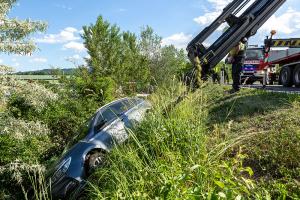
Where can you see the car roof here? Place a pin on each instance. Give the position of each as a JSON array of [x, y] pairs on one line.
[[117, 101]]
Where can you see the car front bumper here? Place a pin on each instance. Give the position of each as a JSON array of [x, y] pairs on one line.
[[64, 188]]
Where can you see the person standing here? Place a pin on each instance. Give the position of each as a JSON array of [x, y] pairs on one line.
[[216, 72], [237, 58]]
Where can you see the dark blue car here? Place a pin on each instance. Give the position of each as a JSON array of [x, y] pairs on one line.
[[106, 128]]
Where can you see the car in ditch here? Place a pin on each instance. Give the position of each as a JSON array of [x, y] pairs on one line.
[[107, 128]]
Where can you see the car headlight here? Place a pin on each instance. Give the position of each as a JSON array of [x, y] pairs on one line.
[[61, 170]]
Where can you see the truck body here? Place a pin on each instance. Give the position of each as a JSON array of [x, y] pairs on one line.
[[283, 61], [253, 69], [253, 66]]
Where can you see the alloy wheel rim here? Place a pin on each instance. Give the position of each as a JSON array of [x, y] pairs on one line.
[[98, 161]]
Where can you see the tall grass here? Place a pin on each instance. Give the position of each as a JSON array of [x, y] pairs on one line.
[[189, 153], [39, 189]]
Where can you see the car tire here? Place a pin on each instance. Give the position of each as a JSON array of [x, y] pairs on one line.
[[286, 76], [296, 76], [94, 161]]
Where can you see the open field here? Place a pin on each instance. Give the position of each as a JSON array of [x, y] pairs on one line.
[[34, 77]]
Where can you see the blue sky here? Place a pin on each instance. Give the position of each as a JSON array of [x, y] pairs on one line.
[[176, 21]]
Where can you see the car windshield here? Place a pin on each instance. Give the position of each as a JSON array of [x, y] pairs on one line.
[[254, 54]]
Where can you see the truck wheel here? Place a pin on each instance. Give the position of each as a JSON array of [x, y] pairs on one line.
[[297, 76], [286, 76]]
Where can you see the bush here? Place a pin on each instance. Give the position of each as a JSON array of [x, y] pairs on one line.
[[22, 144]]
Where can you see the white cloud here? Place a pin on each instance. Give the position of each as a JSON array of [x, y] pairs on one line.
[[217, 8], [219, 4], [63, 7], [14, 59], [38, 60], [210, 16], [1, 61], [122, 10], [287, 23], [16, 64], [71, 29], [179, 40], [81, 31], [74, 57], [66, 35], [77, 46], [207, 18]]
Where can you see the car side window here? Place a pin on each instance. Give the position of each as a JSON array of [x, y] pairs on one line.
[[112, 112], [104, 117]]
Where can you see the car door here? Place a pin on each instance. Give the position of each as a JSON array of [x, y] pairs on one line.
[[110, 125], [136, 114]]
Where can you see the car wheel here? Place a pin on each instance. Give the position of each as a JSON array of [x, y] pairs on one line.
[[297, 76], [95, 160], [286, 77]]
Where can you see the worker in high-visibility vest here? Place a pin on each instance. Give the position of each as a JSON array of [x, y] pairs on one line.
[[216, 73], [237, 58]]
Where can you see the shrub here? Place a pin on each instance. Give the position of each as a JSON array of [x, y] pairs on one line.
[[23, 144]]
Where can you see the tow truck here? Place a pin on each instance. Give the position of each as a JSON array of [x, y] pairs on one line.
[[287, 60], [280, 63], [253, 69], [244, 18]]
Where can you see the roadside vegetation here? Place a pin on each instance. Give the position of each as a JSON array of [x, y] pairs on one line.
[[38, 118], [209, 146]]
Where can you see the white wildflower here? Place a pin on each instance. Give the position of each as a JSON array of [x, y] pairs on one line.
[[20, 129], [34, 94]]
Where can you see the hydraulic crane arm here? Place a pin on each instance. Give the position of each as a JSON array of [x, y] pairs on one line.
[[244, 25]]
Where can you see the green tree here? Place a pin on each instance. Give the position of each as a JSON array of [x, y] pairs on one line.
[[128, 59], [134, 66], [103, 43], [150, 47], [150, 43], [114, 54], [14, 33], [163, 62], [172, 63]]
